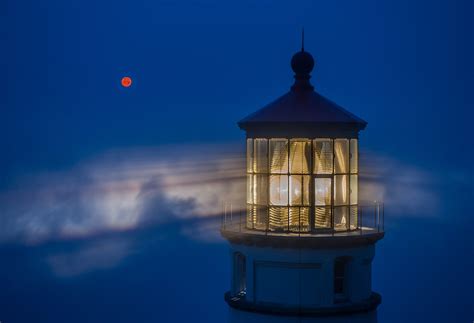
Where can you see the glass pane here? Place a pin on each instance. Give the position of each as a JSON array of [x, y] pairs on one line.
[[354, 217], [250, 185], [322, 217], [279, 190], [341, 218], [300, 155], [260, 155], [251, 216], [261, 218], [322, 191], [278, 218], [278, 156], [299, 219], [354, 189], [250, 155], [341, 190], [299, 189], [341, 153], [323, 156], [260, 189], [354, 156]]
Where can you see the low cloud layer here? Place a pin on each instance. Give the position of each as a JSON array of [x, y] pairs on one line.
[[128, 189]]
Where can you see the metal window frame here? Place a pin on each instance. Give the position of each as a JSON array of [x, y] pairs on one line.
[[311, 175]]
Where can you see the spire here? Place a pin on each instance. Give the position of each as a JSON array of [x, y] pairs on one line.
[[302, 64], [302, 39]]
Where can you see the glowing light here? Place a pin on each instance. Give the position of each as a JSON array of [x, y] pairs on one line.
[[126, 81]]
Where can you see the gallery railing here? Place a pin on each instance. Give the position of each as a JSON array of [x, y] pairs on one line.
[[361, 219]]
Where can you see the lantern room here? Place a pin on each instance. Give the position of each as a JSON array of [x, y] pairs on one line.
[[302, 160]]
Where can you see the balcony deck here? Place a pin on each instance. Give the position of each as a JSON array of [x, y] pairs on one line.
[[234, 229]]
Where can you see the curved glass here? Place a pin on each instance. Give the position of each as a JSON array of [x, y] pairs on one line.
[[302, 184]]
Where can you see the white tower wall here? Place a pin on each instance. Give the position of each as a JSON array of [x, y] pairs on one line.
[[302, 277]]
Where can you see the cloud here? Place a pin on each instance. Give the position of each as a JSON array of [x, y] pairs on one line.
[[404, 189], [131, 188], [94, 255], [122, 190]]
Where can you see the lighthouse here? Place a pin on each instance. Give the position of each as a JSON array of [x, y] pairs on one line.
[[304, 246]]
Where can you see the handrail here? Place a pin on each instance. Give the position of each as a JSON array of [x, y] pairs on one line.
[[370, 218]]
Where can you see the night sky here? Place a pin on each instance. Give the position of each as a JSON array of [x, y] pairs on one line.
[[406, 67]]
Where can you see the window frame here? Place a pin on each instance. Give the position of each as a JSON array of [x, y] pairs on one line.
[[311, 185]]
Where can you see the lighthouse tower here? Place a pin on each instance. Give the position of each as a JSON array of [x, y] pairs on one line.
[[305, 245]]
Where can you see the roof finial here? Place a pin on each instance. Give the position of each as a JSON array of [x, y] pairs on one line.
[[302, 39]]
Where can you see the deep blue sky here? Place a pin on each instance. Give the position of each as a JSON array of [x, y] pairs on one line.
[[199, 66]]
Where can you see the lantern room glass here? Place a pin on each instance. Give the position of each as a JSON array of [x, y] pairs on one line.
[[302, 184]]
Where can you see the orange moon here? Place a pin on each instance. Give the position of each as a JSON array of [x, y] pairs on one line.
[[126, 81]]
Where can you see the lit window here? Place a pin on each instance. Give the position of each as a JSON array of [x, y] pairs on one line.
[[279, 190], [354, 189], [354, 156], [250, 160], [250, 186], [323, 156], [299, 190], [341, 218], [341, 190], [278, 156], [322, 191], [260, 189], [260, 155], [278, 218], [341, 154], [322, 202], [300, 155], [299, 219]]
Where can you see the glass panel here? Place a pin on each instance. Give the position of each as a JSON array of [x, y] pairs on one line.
[[250, 186], [322, 191], [299, 189], [261, 218], [250, 155], [323, 156], [251, 216], [279, 190], [299, 219], [322, 217], [341, 190], [278, 218], [341, 153], [260, 189], [354, 189], [278, 156], [354, 156], [354, 217], [260, 155], [341, 218], [300, 155]]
